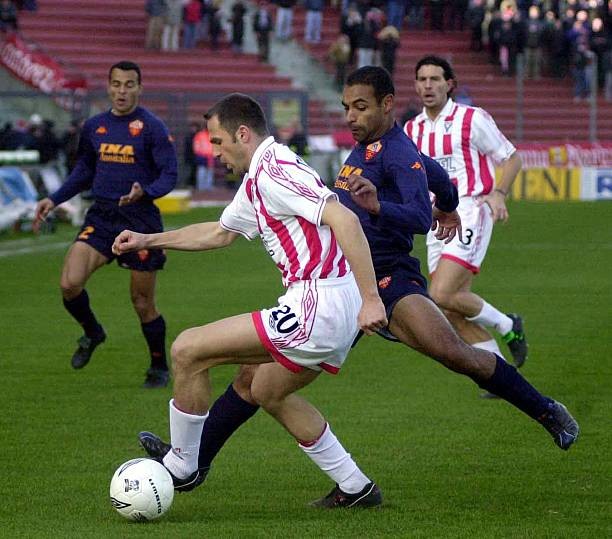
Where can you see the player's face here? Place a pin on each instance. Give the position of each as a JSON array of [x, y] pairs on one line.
[[367, 119], [432, 87], [227, 147], [124, 91]]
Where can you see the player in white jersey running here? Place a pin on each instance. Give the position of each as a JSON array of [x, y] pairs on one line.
[[325, 262], [467, 143]]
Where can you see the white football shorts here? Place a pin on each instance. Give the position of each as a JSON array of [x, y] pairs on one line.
[[477, 227], [314, 324]]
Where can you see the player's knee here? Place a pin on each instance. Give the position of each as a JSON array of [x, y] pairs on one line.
[[243, 380], [184, 353], [143, 305], [264, 397], [442, 297], [70, 288]]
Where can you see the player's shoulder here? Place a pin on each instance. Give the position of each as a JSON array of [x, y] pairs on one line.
[[399, 144], [150, 119]]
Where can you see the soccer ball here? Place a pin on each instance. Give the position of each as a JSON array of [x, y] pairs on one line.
[[141, 490]]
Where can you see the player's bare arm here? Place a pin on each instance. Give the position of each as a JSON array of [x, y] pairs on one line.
[[198, 237], [349, 234], [496, 199], [134, 195], [446, 224], [364, 193]]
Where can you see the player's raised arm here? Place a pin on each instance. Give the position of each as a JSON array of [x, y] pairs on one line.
[[349, 234], [198, 237]]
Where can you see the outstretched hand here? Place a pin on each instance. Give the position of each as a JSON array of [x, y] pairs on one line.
[[447, 225], [128, 241], [364, 193], [135, 194]]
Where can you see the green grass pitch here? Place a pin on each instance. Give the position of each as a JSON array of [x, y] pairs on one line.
[[449, 463]]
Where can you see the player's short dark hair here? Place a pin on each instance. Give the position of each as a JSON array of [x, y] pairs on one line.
[[237, 109], [376, 77], [125, 65], [432, 60]]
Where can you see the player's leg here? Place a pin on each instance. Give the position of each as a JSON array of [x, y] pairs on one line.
[[231, 410], [81, 261], [194, 352], [274, 388], [153, 326], [417, 322], [452, 267]]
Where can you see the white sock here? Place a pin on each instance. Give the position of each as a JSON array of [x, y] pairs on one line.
[[489, 316], [329, 455], [185, 433], [489, 346]]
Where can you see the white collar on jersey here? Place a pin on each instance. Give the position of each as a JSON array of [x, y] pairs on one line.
[[446, 110], [263, 146]]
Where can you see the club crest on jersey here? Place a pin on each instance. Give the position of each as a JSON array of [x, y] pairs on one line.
[[143, 255], [135, 127], [447, 126], [372, 150], [384, 282], [101, 130]]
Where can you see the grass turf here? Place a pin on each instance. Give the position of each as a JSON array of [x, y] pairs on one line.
[[449, 464]]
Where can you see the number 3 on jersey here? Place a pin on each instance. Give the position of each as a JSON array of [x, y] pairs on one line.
[[466, 234], [283, 319]]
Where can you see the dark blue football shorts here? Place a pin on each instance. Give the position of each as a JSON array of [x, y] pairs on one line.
[[393, 284], [105, 220]]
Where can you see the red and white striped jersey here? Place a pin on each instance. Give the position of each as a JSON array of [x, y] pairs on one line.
[[466, 142], [281, 199]]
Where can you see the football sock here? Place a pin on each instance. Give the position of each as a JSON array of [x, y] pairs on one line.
[[155, 335], [185, 432], [329, 455], [491, 317], [225, 416], [507, 383], [490, 346], [81, 311]]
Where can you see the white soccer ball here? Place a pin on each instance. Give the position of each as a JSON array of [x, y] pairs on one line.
[[141, 490]]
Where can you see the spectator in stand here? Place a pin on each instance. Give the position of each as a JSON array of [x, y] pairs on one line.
[[436, 13], [389, 42], [298, 141], [352, 25], [396, 11], [608, 75], [237, 23], [215, 25], [508, 39], [458, 9], [8, 16], [552, 45], [534, 29], [314, 20], [192, 19], [262, 26], [475, 17], [493, 30], [173, 19], [70, 144], [340, 54], [189, 156], [155, 10], [205, 162], [583, 60], [368, 40], [284, 19], [599, 43], [416, 12]]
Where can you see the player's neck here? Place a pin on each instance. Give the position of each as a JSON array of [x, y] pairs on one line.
[[434, 112]]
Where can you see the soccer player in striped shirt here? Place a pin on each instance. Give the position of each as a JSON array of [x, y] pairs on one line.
[[323, 256], [467, 143]]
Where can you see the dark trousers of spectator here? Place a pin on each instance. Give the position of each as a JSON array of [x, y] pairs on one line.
[[263, 45], [476, 39], [436, 11]]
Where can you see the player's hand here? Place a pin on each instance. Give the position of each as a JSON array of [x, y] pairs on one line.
[[372, 316], [447, 225], [128, 241], [135, 194], [496, 200], [42, 210], [364, 193]]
